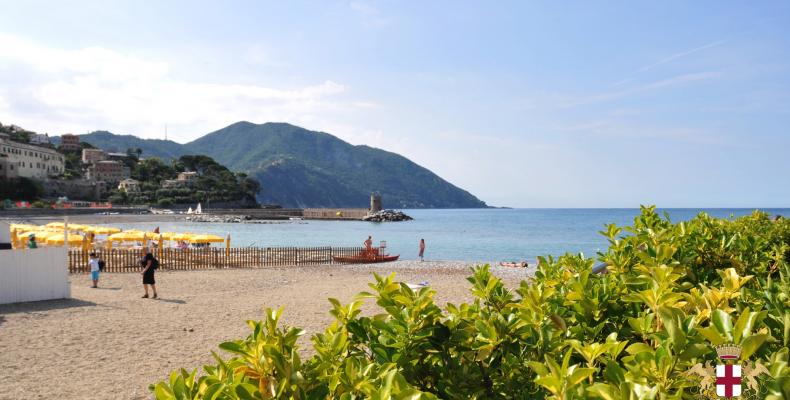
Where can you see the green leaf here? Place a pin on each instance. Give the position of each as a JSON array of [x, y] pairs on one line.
[[751, 344], [723, 323]]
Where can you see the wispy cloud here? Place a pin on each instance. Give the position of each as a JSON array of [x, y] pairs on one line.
[[630, 76], [681, 54], [578, 100]]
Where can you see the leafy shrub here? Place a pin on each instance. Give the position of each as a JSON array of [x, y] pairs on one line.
[[40, 204], [672, 291], [164, 202], [20, 189]]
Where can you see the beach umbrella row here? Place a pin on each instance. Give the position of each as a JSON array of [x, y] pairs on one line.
[[54, 233]]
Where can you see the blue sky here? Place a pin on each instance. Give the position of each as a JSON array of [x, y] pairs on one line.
[[525, 104]]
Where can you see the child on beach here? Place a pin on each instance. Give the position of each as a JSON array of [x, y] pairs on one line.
[[422, 249], [93, 263], [149, 265]]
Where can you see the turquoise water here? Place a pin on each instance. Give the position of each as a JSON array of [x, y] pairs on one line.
[[471, 235]]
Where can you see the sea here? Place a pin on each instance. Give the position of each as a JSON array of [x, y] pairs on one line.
[[476, 235]]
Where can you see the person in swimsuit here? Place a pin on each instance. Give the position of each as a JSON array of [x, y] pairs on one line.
[[522, 264], [422, 249]]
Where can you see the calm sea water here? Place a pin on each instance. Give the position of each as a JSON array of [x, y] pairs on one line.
[[473, 235]]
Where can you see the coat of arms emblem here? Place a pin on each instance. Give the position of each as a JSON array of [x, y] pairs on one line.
[[727, 378]]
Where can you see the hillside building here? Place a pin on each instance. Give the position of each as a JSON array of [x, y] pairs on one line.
[[129, 186], [39, 138], [184, 180], [111, 172], [90, 156], [28, 161], [70, 142], [188, 177]]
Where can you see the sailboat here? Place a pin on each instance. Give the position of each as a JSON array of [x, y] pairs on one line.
[[189, 211], [198, 209]]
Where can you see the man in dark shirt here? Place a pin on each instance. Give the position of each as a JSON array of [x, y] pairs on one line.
[[148, 272]]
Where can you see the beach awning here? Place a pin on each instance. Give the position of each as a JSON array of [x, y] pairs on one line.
[[205, 239]]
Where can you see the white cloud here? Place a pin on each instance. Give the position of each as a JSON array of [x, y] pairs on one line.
[[78, 90]]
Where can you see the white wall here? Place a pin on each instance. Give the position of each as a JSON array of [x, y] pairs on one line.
[[33, 274], [5, 232]]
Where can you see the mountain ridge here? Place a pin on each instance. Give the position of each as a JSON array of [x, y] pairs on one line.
[[302, 168]]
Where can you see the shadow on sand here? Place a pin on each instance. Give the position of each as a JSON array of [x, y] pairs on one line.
[[176, 301], [44, 305]]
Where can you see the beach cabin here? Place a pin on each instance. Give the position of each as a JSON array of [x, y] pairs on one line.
[[31, 274]]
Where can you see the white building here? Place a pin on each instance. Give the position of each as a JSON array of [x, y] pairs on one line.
[[28, 161], [129, 186], [38, 138]]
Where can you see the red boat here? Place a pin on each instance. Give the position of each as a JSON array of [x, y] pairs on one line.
[[364, 259]]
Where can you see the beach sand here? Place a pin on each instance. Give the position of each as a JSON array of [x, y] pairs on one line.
[[109, 343]]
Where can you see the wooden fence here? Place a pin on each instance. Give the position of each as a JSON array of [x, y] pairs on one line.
[[128, 260]]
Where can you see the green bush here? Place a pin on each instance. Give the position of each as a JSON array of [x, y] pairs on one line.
[[672, 292], [164, 202], [40, 204]]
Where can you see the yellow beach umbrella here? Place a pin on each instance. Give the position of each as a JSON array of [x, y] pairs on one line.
[[40, 235], [56, 225], [77, 227], [205, 239], [58, 239], [174, 236], [103, 230], [27, 227], [130, 236]]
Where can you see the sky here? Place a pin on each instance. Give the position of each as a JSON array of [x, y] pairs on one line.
[[524, 104]]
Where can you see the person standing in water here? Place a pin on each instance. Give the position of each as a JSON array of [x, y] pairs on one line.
[[422, 249]]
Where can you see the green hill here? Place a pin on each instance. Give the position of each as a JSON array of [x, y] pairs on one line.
[[301, 168]]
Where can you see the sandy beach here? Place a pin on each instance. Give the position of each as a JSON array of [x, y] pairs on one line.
[[109, 343]]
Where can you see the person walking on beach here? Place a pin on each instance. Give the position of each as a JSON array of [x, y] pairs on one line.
[[422, 249], [150, 264], [93, 263]]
